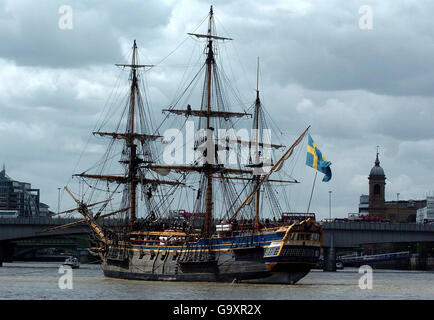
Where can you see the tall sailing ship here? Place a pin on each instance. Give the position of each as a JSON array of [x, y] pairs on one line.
[[155, 237]]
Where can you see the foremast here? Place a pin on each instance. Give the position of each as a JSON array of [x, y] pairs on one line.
[[133, 175]]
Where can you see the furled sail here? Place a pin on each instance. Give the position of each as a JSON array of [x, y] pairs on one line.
[[161, 171]]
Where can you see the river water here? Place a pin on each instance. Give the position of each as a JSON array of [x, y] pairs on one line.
[[40, 280]]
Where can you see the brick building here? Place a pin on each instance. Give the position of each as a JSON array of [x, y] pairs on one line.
[[375, 203]]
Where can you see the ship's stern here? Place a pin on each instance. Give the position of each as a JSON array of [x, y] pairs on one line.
[[291, 258]]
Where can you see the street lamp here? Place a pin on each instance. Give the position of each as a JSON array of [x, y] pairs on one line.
[[58, 200], [330, 205], [397, 205]]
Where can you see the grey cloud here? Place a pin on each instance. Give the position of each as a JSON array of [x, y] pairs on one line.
[[325, 49], [355, 88], [31, 36]]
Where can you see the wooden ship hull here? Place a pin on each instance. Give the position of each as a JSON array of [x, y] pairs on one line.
[[229, 266], [225, 266], [221, 265], [273, 256]]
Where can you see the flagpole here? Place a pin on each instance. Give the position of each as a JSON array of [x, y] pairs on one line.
[[311, 193]]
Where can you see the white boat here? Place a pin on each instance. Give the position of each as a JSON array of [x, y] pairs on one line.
[[339, 265], [72, 262]]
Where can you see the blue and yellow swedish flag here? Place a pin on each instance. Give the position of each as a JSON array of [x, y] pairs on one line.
[[316, 160]]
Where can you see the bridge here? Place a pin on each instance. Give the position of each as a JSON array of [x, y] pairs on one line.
[[16, 231], [336, 234], [30, 227], [355, 234]]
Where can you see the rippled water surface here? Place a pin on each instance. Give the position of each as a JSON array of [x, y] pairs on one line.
[[40, 281]]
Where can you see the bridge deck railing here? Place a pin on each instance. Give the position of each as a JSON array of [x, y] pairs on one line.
[[48, 221], [386, 226]]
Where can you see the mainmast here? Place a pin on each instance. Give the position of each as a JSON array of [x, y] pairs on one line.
[[209, 62], [208, 169], [132, 167], [256, 127]]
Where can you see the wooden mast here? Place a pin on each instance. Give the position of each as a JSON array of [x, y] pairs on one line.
[[208, 169], [277, 166], [132, 168], [209, 173], [131, 177], [256, 117], [130, 136]]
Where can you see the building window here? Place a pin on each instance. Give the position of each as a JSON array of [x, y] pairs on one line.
[[377, 190]]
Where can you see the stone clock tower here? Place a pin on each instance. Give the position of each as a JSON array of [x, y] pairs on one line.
[[377, 184]]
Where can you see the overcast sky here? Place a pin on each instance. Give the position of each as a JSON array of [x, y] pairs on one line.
[[357, 88]]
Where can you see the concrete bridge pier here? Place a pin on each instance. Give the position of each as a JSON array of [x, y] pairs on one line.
[[329, 259], [6, 252], [330, 256], [2, 254]]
